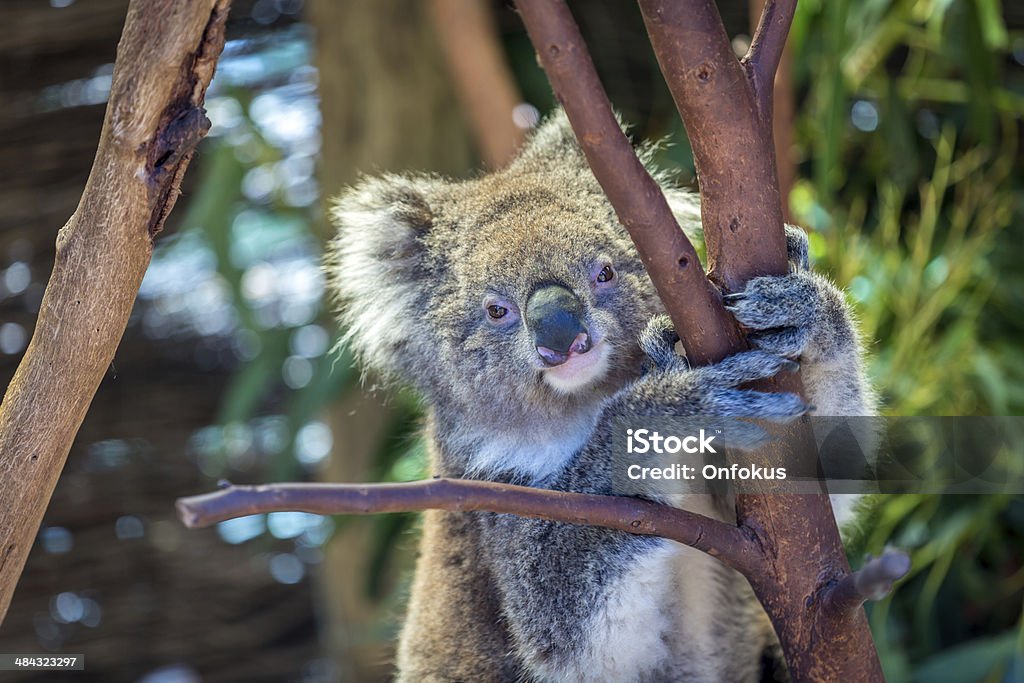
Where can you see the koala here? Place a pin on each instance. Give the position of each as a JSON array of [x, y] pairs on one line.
[[517, 306]]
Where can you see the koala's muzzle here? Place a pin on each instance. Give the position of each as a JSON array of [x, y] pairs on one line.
[[554, 315]]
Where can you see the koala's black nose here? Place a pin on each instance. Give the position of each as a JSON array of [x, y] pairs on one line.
[[555, 317]]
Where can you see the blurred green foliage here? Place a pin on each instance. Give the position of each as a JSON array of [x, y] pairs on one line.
[[253, 216], [908, 131]]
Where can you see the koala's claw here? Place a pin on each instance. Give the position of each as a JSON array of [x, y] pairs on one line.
[[672, 388], [771, 302], [658, 341], [725, 400]]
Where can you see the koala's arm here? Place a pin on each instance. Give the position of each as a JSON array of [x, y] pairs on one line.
[[804, 316], [570, 593]]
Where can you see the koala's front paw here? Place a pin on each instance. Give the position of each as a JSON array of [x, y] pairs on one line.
[[799, 315], [796, 315], [779, 313], [671, 387]]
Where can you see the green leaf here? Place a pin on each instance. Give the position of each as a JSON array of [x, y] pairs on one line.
[[992, 27], [968, 663]]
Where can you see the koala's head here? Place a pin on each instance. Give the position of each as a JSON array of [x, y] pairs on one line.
[[517, 291]]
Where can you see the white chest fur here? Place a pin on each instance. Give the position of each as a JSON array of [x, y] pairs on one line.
[[534, 455], [658, 621]]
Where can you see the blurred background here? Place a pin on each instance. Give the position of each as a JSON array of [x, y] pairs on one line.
[[898, 125]]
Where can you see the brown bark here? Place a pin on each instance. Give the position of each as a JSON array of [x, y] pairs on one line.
[[481, 76], [726, 107], [632, 515], [153, 122], [784, 117], [638, 201]]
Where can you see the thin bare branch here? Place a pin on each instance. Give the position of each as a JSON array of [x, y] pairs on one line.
[[707, 330], [783, 115], [765, 53], [632, 515], [873, 581]]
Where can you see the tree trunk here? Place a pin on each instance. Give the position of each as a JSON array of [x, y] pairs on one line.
[[154, 120]]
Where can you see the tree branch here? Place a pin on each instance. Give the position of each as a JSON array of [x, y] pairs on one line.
[[632, 515], [154, 120], [708, 332], [731, 137], [732, 142], [873, 581], [786, 545], [782, 112], [765, 53]]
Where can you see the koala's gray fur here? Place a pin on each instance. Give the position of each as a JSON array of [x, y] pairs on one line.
[[501, 598]]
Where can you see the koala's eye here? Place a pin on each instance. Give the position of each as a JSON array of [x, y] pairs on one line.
[[496, 312], [607, 274]]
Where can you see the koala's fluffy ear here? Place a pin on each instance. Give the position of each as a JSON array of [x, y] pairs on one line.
[[376, 263]]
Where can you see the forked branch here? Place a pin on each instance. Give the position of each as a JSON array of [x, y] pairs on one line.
[[708, 332], [765, 53], [732, 141], [728, 122]]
